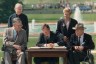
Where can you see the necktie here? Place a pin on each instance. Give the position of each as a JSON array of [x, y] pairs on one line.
[[78, 41], [47, 38], [14, 34]]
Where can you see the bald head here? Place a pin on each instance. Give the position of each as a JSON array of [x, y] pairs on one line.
[[18, 8], [18, 5]]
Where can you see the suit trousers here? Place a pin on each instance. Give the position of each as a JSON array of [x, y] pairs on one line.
[[50, 60], [19, 60], [75, 57]]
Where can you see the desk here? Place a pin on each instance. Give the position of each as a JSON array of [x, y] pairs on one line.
[[47, 52]]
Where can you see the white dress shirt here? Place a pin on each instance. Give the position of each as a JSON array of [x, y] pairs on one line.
[[81, 40]]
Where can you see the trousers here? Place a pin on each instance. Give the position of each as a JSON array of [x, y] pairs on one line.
[[19, 60]]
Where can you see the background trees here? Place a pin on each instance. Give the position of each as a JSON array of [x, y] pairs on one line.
[[6, 9]]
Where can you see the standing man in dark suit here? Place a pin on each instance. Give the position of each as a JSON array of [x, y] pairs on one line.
[[18, 13], [47, 39], [64, 26], [80, 42]]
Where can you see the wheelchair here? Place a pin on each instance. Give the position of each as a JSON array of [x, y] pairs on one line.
[[89, 59], [14, 59]]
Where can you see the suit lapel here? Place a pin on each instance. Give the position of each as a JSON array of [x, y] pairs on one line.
[[64, 26], [76, 40], [84, 39], [10, 34], [70, 25]]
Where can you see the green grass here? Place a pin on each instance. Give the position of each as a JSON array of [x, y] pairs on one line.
[[1, 41], [44, 17], [32, 41], [54, 17]]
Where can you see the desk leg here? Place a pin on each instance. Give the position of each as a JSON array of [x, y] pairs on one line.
[[29, 59], [65, 60]]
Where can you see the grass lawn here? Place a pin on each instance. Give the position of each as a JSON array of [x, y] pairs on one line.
[[55, 17]]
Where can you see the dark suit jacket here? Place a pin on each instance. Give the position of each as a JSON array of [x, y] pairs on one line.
[[88, 42], [61, 27], [44, 40], [24, 20]]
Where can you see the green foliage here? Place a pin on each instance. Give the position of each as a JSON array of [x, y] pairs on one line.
[[6, 9]]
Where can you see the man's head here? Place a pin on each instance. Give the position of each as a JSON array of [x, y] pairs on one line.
[[17, 24], [79, 29], [18, 8], [46, 29], [67, 13]]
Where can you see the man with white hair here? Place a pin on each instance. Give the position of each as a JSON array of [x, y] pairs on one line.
[[18, 13], [15, 43]]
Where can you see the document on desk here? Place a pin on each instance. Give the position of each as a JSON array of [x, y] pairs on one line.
[[59, 47]]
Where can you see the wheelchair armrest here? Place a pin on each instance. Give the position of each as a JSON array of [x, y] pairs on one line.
[[88, 51]]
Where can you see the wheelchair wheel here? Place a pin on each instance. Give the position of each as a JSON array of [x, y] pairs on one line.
[[2, 61], [91, 59]]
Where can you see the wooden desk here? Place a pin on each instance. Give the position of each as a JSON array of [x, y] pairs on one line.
[[47, 52]]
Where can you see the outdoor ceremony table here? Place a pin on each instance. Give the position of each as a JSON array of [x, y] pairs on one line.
[[46, 52]]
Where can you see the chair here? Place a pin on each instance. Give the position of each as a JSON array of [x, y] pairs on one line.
[[14, 59], [89, 58]]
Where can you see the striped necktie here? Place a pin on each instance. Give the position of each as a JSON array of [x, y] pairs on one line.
[[14, 34], [79, 41]]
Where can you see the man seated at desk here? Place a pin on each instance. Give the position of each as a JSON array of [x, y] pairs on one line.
[[80, 42], [47, 39]]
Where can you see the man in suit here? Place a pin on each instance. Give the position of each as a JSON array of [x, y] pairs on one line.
[[80, 42], [15, 43], [47, 39], [18, 13], [64, 26]]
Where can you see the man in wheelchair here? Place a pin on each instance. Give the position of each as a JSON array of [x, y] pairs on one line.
[[15, 43], [80, 43]]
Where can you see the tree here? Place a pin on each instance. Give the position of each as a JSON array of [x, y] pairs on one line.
[[6, 9]]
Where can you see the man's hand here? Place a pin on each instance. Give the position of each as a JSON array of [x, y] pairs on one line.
[[50, 45], [80, 48], [18, 52], [76, 48], [17, 47], [65, 39], [7, 43]]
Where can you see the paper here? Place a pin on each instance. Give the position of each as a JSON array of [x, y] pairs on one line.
[[59, 47], [47, 47], [34, 47]]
